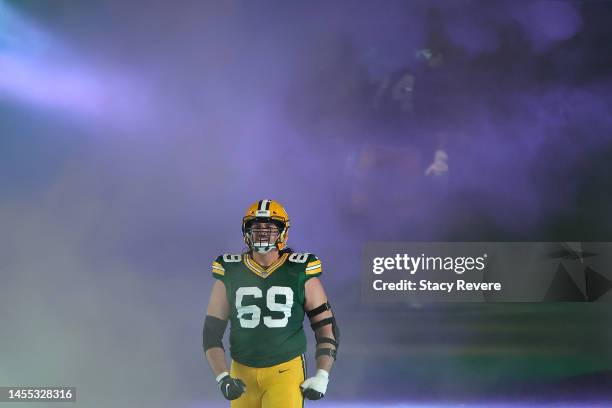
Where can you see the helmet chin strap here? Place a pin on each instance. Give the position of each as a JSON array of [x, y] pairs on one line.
[[263, 250]]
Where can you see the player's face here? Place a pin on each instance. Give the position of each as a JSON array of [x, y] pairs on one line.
[[264, 232]]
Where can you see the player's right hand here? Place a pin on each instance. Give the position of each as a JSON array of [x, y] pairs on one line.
[[231, 388]]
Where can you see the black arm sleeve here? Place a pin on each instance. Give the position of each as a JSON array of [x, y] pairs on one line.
[[213, 332]]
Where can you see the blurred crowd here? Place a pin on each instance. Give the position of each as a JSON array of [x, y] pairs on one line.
[[409, 129]]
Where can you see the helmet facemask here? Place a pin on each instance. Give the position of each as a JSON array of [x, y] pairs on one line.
[[263, 234]]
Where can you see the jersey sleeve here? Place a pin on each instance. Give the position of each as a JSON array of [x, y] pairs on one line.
[[218, 270], [313, 267]]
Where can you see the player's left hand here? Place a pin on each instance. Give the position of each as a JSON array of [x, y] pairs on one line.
[[314, 388]]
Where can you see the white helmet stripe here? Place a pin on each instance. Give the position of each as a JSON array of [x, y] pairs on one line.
[[264, 205]]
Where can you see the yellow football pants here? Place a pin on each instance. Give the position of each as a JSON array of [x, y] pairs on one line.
[[271, 387]]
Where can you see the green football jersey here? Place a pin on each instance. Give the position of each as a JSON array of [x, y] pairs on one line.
[[266, 305]]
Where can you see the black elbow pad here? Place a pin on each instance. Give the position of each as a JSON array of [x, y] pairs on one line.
[[213, 332]]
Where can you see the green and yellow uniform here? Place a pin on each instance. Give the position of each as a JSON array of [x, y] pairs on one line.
[[266, 317]]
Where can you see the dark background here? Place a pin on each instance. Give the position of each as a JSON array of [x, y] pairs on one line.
[[133, 136]]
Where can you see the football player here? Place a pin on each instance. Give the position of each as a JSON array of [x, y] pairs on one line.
[[264, 293]]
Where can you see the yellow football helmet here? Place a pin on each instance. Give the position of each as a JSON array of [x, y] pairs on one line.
[[266, 211]]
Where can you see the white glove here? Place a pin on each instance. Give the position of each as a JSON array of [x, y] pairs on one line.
[[314, 387]]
